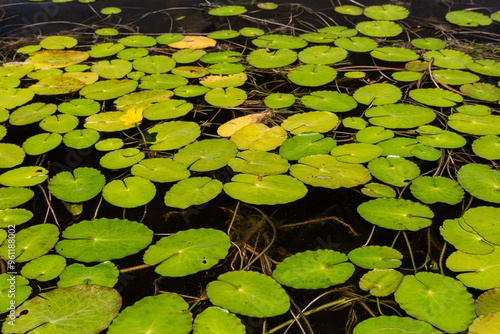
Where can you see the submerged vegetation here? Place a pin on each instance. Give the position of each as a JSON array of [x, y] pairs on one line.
[[252, 120]]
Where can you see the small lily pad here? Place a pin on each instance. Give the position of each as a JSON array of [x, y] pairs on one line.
[[11, 197], [393, 325], [481, 270], [258, 136], [312, 75], [400, 116], [329, 101], [262, 58], [378, 94], [11, 155], [174, 135], [463, 237], [81, 138], [215, 319], [154, 64], [485, 67], [258, 163], [381, 282], [192, 191], [484, 220], [279, 42], [488, 302], [108, 89], [79, 107], [122, 158], [206, 155], [228, 11], [487, 147], [481, 91], [130, 192], [371, 257], [480, 181], [104, 274], [455, 77], [140, 41], [313, 121], [437, 189], [379, 28], [25, 176], [105, 50], [44, 268], [229, 97], [84, 184], [467, 18], [223, 34], [279, 100], [31, 113], [395, 171], [386, 12], [378, 190], [31, 242], [349, 10], [161, 170], [447, 58], [9, 217], [306, 144], [428, 43], [322, 54], [394, 54], [356, 44], [356, 152]]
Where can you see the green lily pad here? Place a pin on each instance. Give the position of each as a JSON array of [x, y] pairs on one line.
[[248, 293], [487, 147], [81, 138], [378, 94], [114, 69], [130, 192], [105, 50], [463, 237], [84, 184], [11, 155], [224, 81], [488, 302], [437, 299], [103, 239], [474, 110], [122, 158], [162, 81], [106, 31], [395, 171], [15, 217], [192, 91], [381, 282], [349, 10], [258, 163], [160, 170], [66, 310], [215, 319], [371, 257], [428, 43], [314, 121], [175, 316], [26, 176], [192, 71], [267, 190], [132, 54], [399, 146], [480, 181], [329, 101], [406, 76], [318, 37], [31, 113], [45, 73], [223, 34], [339, 31], [394, 54], [306, 144], [206, 155], [11, 197], [263, 58], [379, 28], [312, 75], [435, 189], [57, 85], [222, 57], [31, 242], [393, 325], [174, 135], [109, 144], [227, 11], [322, 54], [108, 89], [111, 10], [259, 137], [19, 284], [396, 214], [386, 12], [44, 268], [14, 97], [169, 38], [327, 172], [484, 221], [15, 71], [485, 67], [154, 64], [79, 107], [186, 56], [455, 77], [9, 82], [104, 274], [445, 139], [142, 99], [378, 190], [251, 32], [60, 123], [225, 68], [139, 41], [279, 100], [279, 42], [188, 252], [356, 44], [229, 97], [356, 153], [314, 269], [446, 58], [481, 270], [467, 18], [481, 91], [400, 116], [356, 123], [192, 191]]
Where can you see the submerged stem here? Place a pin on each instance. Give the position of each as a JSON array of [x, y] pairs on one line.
[[411, 253]]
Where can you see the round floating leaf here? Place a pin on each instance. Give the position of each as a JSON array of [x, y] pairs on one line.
[[349, 10], [482, 270], [191, 90], [138, 318], [174, 135], [248, 293], [445, 139], [106, 31], [84, 184], [314, 121], [338, 31], [227, 11], [192, 191], [15, 217], [318, 37], [314, 269], [394, 170], [455, 77], [45, 73], [487, 147], [480, 181], [306, 144], [31, 242], [486, 324], [31, 113], [396, 214], [22, 291], [59, 123], [263, 58], [485, 67], [114, 69], [24, 176], [481, 91], [15, 71], [188, 252], [265, 190], [400, 116], [217, 320], [11, 155], [80, 139], [105, 50], [378, 190], [154, 64], [109, 144], [356, 153], [259, 137], [226, 68], [379, 28], [130, 192], [14, 97], [437, 299], [132, 54], [446, 58], [258, 163], [142, 99], [11, 197], [394, 54], [223, 81], [279, 100], [187, 56], [9, 82], [56, 58], [66, 310], [104, 274], [322, 54], [371, 257], [463, 237], [57, 86], [44, 268], [162, 81], [103, 239], [399, 146], [356, 123], [191, 71], [378, 94], [435, 189], [428, 43], [111, 10], [223, 34], [230, 97], [160, 170], [229, 128], [108, 89], [467, 18], [406, 76], [356, 44], [327, 172], [393, 325], [312, 75], [193, 42], [484, 221], [386, 12], [329, 101], [138, 41], [123, 158], [488, 302], [251, 32], [381, 282], [279, 42], [79, 107], [474, 110], [206, 155], [169, 38]]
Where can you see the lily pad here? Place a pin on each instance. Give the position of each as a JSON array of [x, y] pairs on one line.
[[487, 147], [154, 64], [31, 242], [312, 75], [56, 58], [223, 34], [105, 50], [485, 324], [186, 56], [192, 191], [329, 101], [258, 163], [122, 158], [394, 54], [114, 69], [428, 43], [8, 299], [393, 325], [44, 268], [26, 176], [381, 282], [279, 42], [314, 121], [265, 190], [379, 28], [488, 302], [248, 293], [11, 155], [356, 44], [455, 77], [400, 116], [378, 94], [191, 90], [225, 68], [480, 181], [373, 134], [481, 91], [31, 113], [259, 137], [79, 107], [386, 12], [206, 155], [9, 217], [356, 152], [132, 54], [378, 190], [174, 135], [223, 81], [314, 269], [169, 38], [263, 58], [445, 139], [103, 239], [14, 97], [447, 58], [108, 89], [11, 197], [229, 97], [371, 257], [81, 138], [160, 170], [57, 85], [228, 11], [142, 99], [188, 252], [322, 54], [349, 10], [66, 310], [437, 189], [215, 319], [162, 81], [396, 214], [398, 146], [193, 42], [481, 270], [467, 18], [251, 32], [279, 100], [104, 274], [191, 71], [395, 171], [109, 144], [439, 300], [139, 41], [60, 123], [463, 237], [306, 144], [485, 222], [130, 192], [485, 67], [84, 184]]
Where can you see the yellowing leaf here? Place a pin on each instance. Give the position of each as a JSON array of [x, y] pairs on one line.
[[56, 58], [132, 116], [227, 129], [222, 81], [85, 77], [193, 42]]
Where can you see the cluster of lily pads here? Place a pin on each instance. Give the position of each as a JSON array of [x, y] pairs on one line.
[[324, 123]]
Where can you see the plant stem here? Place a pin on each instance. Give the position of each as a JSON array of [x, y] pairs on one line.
[[411, 253]]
